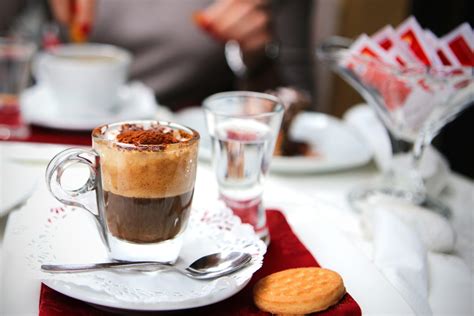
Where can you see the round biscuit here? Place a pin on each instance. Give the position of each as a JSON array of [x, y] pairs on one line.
[[298, 291]]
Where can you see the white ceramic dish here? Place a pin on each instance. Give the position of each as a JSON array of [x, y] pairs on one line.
[[68, 236], [338, 146], [85, 79], [136, 101], [29, 154]]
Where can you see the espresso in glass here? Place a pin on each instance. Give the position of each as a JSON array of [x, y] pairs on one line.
[[147, 173], [143, 175]]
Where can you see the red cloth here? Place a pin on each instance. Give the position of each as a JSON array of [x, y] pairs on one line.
[[55, 136], [11, 116], [285, 252]]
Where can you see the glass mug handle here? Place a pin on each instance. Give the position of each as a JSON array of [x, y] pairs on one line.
[[55, 171]]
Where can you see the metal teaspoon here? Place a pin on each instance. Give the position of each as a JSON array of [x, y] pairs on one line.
[[205, 268]]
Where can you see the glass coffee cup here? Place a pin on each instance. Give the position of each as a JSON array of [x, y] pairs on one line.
[[143, 175]]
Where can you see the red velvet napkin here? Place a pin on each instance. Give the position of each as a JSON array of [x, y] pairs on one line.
[[11, 116], [285, 252], [47, 135]]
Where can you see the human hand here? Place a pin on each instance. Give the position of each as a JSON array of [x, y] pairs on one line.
[[78, 15], [245, 21]]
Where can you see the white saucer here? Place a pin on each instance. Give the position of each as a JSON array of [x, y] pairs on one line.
[[69, 236], [135, 101], [338, 145]]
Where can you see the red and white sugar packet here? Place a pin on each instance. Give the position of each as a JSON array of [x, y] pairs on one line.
[[396, 49], [385, 37], [393, 90], [412, 33], [365, 46], [461, 42], [445, 54], [363, 50]]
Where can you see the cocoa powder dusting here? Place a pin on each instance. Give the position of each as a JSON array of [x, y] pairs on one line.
[[136, 135]]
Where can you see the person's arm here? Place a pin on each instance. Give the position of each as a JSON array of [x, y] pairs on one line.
[[246, 21], [255, 24]]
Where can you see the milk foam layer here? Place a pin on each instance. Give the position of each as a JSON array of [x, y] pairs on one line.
[[134, 172]]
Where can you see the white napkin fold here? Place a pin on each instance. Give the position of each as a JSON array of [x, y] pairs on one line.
[[401, 256], [362, 118], [433, 230], [402, 234]]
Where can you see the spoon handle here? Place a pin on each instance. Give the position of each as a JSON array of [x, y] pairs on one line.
[[69, 268]]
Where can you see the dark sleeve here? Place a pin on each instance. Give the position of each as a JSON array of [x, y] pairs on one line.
[[292, 26], [9, 9]]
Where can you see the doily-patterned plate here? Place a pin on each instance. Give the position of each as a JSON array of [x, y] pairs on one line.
[[70, 236]]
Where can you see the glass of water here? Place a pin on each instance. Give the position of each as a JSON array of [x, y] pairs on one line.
[[244, 127], [15, 57]]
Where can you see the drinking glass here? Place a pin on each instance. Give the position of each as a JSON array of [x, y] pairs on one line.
[[142, 192], [413, 103], [15, 58], [244, 128]]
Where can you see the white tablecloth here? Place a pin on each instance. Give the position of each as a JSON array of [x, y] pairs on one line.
[[316, 208]]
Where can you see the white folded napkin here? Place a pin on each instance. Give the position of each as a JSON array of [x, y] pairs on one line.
[[401, 256], [362, 118], [402, 234], [434, 231]]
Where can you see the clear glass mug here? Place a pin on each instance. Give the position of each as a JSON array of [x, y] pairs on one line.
[[244, 127], [143, 193]]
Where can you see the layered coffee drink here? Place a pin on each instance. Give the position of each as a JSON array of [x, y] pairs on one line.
[[147, 177]]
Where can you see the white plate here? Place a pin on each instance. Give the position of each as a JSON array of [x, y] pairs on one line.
[[338, 145], [17, 183], [136, 101], [69, 236], [30, 154]]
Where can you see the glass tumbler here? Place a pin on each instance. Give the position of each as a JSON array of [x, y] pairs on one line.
[[15, 59], [244, 128]]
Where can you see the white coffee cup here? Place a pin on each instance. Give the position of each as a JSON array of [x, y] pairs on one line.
[[83, 79]]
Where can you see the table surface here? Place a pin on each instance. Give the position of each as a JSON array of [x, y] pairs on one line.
[[316, 208]]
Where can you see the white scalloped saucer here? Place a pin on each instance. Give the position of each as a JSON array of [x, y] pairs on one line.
[[135, 101], [70, 236]]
